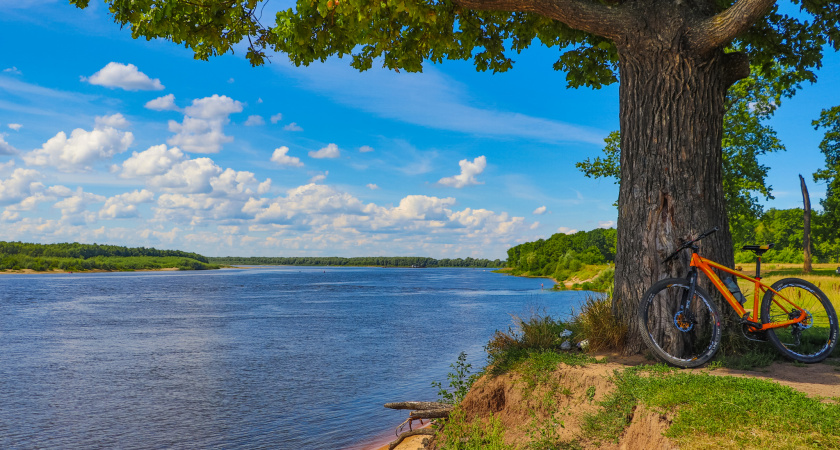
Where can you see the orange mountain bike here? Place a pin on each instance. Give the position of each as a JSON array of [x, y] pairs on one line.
[[681, 324]]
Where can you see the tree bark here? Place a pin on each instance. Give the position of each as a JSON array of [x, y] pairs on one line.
[[672, 107], [806, 232], [673, 80]]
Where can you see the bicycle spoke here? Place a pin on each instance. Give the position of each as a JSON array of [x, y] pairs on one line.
[[682, 337], [813, 338]]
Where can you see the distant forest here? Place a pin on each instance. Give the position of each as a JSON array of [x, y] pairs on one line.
[[564, 254], [80, 257], [369, 261]]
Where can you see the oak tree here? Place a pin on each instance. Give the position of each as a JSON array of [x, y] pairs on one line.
[[670, 56]]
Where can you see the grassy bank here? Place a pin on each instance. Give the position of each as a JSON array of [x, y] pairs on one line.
[[543, 389], [587, 277]]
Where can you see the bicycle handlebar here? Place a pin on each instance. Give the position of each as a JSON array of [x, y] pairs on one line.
[[688, 244]]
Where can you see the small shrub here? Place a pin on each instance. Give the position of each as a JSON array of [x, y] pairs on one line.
[[597, 324], [538, 333], [460, 381]]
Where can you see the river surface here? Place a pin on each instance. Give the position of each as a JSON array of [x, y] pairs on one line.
[[275, 358]]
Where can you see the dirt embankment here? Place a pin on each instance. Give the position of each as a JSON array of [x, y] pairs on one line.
[[566, 395]]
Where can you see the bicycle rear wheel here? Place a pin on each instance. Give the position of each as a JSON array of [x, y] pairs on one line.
[[813, 339], [683, 338]]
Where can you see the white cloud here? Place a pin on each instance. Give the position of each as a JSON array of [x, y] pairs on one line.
[[189, 176], [293, 127], [276, 118], [201, 129], [469, 170], [422, 207], [128, 77], [156, 160], [328, 152], [76, 204], [9, 216], [254, 121], [13, 70], [281, 157], [259, 100], [319, 177], [365, 149], [231, 80], [264, 187], [606, 224], [21, 184], [82, 149], [115, 121], [124, 206], [15, 126], [165, 103], [213, 107], [372, 186], [567, 230], [5, 147], [539, 211]]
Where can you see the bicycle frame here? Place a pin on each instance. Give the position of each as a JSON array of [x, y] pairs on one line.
[[706, 265]]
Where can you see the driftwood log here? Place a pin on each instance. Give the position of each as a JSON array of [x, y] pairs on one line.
[[430, 414], [418, 405], [420, 432], [420, 411]]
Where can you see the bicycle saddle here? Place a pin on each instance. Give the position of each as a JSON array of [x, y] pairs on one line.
[[758, 249]]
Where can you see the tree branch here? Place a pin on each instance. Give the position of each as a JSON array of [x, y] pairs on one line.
[[585, 15], [716, 31]]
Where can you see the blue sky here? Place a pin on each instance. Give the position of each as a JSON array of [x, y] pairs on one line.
[[131, 142]]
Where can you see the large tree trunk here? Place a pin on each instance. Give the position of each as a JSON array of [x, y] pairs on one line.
[[672, 107]]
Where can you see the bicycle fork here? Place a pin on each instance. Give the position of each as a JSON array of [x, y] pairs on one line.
[[683, 319]]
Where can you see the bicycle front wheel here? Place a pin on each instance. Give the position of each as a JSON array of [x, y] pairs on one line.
[[811, 340], [683, 332]]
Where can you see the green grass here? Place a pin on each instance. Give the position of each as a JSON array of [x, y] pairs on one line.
[[718, 411]]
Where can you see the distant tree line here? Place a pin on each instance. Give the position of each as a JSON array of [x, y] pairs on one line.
[[77, 257], [784, 228], [364, 261], [85, 251]]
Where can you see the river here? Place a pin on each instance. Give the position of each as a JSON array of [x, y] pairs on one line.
[[277, 357]]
